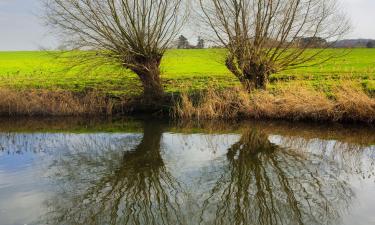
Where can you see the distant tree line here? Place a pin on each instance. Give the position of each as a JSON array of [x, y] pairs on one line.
[[183, 43], [312, 42], [355, 43]]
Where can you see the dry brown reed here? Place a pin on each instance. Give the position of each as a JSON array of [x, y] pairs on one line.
[[290, 102], [52, 103], [212, 104]]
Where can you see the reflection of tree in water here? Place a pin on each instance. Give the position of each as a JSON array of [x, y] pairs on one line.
[[103, 182], [266, 184], [350, 158], [133, 188]]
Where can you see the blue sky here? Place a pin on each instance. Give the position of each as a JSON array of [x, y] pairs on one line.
[[22, 29]]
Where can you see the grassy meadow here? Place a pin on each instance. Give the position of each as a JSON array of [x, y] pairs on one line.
[[181, 70], [36, 83]]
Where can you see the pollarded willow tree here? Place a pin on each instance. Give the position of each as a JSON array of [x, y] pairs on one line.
[[268, 36], [133, 33]]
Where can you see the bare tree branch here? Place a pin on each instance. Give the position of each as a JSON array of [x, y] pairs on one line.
[[133, 33], [268, 36]]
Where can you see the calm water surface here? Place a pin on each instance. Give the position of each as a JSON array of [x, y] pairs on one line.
[[101, 172]]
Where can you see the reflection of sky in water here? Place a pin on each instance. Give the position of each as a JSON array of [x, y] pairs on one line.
[[21, 191], [190, 153], [24, 161], [196, 160], [349, 157]]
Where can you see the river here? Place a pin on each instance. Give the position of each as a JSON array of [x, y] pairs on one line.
[[135, 171]]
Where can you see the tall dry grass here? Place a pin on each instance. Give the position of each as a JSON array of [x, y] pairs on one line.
[[290, 102], [52, 103]]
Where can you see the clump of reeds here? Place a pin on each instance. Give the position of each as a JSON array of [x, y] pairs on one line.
[[212, 104], [53, 103], [354, 104], [293, 103]]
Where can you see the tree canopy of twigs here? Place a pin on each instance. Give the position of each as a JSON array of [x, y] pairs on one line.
[[268, 36], [133, 33], [266, 184], [117, 185]]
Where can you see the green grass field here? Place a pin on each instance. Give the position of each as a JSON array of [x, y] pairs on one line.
[[181, 69]]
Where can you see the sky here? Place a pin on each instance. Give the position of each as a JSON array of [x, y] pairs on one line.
[[21, 27]]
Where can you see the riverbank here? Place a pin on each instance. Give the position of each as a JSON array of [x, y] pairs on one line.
[[197, 87], [346, 103]]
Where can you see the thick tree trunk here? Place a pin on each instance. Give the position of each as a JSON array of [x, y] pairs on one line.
[[148, 70], [260, 81], [147, 153], [252, 81], [258, 74], [152, 86], [251, 76]]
